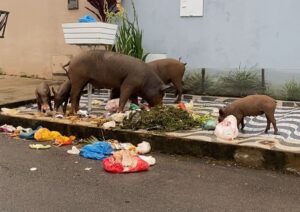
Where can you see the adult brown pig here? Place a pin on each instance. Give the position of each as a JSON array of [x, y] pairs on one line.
[[170, 71], [43, 97], [252, 105], [104, 69], [62, 95]]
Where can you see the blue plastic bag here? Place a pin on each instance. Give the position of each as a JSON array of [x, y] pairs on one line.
[[87, 19], [96, 151], [29, 135]]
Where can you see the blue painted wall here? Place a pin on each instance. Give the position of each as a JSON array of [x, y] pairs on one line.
[[265, 33]]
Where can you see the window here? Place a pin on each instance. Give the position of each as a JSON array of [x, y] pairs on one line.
[[72, 4]]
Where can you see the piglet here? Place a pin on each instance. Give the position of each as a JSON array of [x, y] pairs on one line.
[[252, 105], [62, 95], [43, 97]]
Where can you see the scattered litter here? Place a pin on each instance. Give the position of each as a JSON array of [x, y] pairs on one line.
[[143, 148], [96, 151], [7, 128], [76, 162], [210, 125], [149, 159], [82, 113], [43, 134], [181, 106], [108, 125], [39, 146], [90, 140], [112, 105], [118, 117], [189, 106], [128, 146], [33, 169], [29, 134], [124, 161], [134, 107], [59, 116], [96, 102], [49, 113], [88, 169], [64, 140], [227, 129], [8, 111], [73, 151], [203, 119]]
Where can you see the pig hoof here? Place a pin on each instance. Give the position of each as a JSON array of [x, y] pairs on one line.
[[276, 133]]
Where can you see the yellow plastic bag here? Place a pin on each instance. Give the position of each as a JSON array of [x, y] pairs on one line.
[[43, 134]]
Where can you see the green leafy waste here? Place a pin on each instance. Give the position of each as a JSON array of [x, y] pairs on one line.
[[162, 118]]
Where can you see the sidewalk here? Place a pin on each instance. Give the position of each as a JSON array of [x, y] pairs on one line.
[[15, 88]]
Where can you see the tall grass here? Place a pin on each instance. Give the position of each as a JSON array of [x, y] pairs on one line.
[[241, 82], [290, 91]]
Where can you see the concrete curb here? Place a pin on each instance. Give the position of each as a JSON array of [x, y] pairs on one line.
[[246, 156]]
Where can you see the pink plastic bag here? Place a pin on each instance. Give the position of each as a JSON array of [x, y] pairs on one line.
[[112, 105], [227, 129]]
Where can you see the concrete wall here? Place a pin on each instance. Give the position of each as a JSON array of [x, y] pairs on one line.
[[264, 33], [34, 43]]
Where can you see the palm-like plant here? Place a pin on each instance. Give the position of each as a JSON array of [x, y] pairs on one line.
[[129, 38]]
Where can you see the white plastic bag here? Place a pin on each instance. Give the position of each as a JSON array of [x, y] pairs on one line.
[[227, 129]]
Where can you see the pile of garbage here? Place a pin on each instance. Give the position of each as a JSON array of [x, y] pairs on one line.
[[162, 118], [116, 157]]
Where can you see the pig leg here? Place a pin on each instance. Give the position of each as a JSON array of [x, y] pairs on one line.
[[271, 118], [268, 124], [75, 96], [38, 102], [65, 106], [239, 120], [39, 106], [49, 103], [178, 87], [115, 93], [124, 96], [243, 124]]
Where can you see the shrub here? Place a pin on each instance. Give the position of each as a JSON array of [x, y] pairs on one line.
[[291, 90], [241, 82], [193, 83]]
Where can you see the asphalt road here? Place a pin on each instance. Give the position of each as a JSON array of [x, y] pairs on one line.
[[176, 183]]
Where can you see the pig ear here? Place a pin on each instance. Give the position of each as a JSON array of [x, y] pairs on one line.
[[221, 111], [53, 91], [164, 87]]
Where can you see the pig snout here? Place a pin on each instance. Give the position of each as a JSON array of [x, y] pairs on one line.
[[220, 119], [45, 107]]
